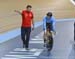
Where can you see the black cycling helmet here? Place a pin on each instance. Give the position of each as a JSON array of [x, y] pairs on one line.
[[49, 14]]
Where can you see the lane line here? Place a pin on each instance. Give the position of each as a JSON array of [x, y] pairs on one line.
[[34, 54]]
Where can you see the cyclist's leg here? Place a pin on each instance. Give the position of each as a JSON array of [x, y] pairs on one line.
[[44, 37]]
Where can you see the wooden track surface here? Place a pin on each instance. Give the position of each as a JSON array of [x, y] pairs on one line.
[[10, 20]]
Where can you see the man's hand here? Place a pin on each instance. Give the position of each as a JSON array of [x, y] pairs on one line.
[[18, 12], [15, 11], [44, 32], [54, 32], [33, 27]]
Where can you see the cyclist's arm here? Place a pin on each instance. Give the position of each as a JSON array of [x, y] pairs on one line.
[[44, 24], [53, 24]]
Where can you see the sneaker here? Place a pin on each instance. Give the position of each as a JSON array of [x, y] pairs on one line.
[[23, 45], [27, 49]]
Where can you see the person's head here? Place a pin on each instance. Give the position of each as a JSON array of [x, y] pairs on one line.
[[28, 7], [49, 14]]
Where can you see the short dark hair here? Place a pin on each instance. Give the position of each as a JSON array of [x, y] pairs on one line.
[[28, 6], [49, 14]]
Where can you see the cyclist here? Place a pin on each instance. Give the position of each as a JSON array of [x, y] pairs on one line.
[[49, 23]]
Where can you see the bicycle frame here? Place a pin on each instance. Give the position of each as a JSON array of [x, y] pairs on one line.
[[48, 38]]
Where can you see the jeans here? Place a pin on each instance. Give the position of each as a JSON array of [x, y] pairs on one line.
[[25, 35]]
